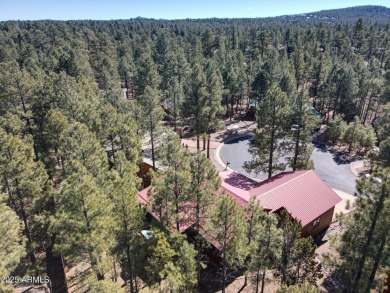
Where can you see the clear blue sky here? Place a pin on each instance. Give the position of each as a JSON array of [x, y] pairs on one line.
[[168, 9]]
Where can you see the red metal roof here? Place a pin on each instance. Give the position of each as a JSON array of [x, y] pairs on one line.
[[186, 217], [302, 193]]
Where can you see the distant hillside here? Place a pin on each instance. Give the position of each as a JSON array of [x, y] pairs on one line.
[[368, 13]]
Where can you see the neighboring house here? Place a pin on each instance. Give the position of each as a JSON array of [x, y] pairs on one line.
[[302, 193]]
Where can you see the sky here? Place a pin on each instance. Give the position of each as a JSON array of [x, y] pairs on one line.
[[167, 9]]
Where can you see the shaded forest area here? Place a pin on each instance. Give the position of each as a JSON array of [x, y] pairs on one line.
[[71, 141]]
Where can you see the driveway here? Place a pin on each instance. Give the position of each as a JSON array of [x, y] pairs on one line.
[[334, 168], [331, 166]]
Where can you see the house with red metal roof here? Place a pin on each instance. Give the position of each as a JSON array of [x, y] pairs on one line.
[[302, 193]]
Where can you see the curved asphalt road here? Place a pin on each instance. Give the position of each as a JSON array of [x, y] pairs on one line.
[[331, 166]]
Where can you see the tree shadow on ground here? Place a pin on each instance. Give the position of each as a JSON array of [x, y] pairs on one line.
[[340, 158], [331, 284], [211, 278], [240, 138]]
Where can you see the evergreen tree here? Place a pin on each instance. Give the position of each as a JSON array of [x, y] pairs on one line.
[[147, 76], [264, 241], [175, 97], [297, 263], [78, 143], [298, 65], [303, 123], [213, 109], [128, 217], [152, 116], [171, 259], [26, 184], [335, 129], [126, 70], [55, 125], [362, 249], [171, 185], [195, 100], [272, 114], [227, 229], [383, 130], [11, 243], [205, 181], [83, 223]]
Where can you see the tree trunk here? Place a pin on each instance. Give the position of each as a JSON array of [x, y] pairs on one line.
[[114, 269], [174, 113], [130, 266], [271, 154], [378, 257], [296, 153], [378, 209], [262, 282], [208, 146], [224, 270], [257, 281], [368, 109], [27, 232], [152, 143]]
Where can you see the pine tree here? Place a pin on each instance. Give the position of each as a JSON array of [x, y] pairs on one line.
[[171, 186], [272, 114], [297, 263], [152, 116], [195, 99], [213, 109], [303, 123], [171, 259], [205, 181], [363, 250], [26, 184], [160, 258], [175, 96], [264, 241], [83, 221], [127, 215], [298, 65], [335, 129], [383, 125], [126, 70], [78, 143], [227, 231], [12, 243], [55, 125], [185, 264], [147, 75]]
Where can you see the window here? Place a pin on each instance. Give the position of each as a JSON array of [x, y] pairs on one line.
[[316, 223]]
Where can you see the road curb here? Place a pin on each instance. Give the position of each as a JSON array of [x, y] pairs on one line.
[[355, 165]]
